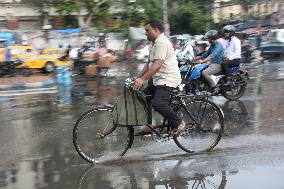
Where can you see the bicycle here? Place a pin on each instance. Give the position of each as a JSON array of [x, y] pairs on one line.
[[204, 127], [100, 177]]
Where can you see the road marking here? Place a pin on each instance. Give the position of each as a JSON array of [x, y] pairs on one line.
[[11, 93], [36, 89]]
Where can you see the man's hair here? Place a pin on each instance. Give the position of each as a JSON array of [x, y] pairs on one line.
[[156, 24]]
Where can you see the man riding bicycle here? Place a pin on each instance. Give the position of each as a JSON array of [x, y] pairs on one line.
[[163, 74]]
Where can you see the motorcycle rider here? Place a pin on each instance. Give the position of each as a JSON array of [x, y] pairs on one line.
[[186, 53], [214, 56], [232, 49], [201, 48]]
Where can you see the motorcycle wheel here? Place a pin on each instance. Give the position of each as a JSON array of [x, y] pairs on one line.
[[238, 88], [235, 93]]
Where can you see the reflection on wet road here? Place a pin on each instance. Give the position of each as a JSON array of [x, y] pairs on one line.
[[37, 150]]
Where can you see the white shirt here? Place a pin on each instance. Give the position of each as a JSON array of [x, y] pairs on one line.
[[74, 53], [186, 52], [233, 48], [169, 73]]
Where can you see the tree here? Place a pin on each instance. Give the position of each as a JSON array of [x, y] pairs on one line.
[[188, 18], [136, 13], [93, 8]]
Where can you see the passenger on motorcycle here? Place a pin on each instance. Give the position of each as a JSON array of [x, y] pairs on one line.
[[214, 56], [232, 49]]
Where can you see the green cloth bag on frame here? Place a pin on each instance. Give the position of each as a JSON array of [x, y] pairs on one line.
[[130, 109]]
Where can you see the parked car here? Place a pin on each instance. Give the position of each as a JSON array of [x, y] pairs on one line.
[[19, 50], [51, 51], [31, 59], [272, 49], [142, 54], [276, 35]]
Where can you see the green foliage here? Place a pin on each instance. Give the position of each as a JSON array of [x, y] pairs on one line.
[[98, 13], [153, 9], [135, 14], [67, 6], [188, 18], [69, 21]]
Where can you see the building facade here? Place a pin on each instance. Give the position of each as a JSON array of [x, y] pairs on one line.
[[245, 9], [24, 15]]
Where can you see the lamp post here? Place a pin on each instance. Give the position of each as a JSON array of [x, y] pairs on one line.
[[165, 18]]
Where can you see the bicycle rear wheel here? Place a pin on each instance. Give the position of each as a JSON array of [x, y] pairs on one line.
[[95, 135], [205, 132]]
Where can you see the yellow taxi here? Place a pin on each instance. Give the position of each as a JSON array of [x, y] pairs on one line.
[[33, 60], [51, 51]]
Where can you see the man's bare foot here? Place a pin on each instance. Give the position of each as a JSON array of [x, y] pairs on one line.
[[144, 131], [179, 129]]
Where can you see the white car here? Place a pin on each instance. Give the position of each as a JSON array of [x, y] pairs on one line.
[[142, 54]]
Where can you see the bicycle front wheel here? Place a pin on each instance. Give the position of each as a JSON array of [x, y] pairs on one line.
[[204, 126], [95, 136]]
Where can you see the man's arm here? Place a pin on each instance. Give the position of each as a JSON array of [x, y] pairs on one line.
[[144, 70], [153, 69], [204, 57], [207, 53], [207, 59], [148, 74]]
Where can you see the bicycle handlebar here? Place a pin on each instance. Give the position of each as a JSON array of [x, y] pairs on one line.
[[129, 84]]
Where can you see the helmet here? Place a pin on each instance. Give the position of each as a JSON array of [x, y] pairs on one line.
[[229, 28], [203, 44], [211, 34]]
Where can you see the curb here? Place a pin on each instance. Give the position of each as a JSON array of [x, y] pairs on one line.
[[44, 84]]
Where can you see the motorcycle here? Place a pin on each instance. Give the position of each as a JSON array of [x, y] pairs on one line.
[[9, 68], [195, 84], [247, 52]]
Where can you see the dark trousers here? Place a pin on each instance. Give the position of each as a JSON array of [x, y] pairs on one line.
[[227, 64], [158, 97]]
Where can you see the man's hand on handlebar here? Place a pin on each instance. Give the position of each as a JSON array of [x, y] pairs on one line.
[[196, 58], [138, 83], [200, 61]]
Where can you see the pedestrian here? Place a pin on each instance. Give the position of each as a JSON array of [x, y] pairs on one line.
[[101, 50], [186, 54], [66, 53], [258, 40], [7, 55], [213, 57], [60, 49], [232, 50], [163, 76]]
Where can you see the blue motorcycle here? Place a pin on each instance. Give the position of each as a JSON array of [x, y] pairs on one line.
[[194, 83]]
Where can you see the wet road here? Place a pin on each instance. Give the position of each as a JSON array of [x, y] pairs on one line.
[[37, 150]]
